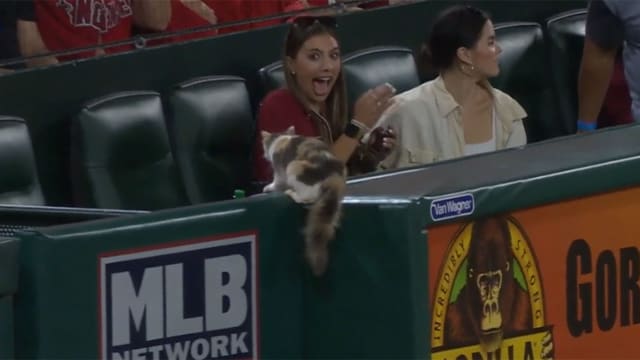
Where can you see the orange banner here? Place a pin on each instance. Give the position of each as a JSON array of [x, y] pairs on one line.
[[556, 281]]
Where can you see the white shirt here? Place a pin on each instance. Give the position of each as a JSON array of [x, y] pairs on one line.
[[483, 147], [428, 123]]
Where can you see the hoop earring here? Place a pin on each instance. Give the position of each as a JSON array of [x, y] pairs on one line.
[[467, 69]]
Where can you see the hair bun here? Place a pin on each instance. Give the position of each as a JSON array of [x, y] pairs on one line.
[[424, 62]]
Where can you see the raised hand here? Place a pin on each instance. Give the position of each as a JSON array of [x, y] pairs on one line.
[[373, 103]]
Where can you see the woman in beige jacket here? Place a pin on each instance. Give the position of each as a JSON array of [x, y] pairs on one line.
[[458, 113]]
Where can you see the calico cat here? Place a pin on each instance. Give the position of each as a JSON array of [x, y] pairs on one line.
[[306, 170]]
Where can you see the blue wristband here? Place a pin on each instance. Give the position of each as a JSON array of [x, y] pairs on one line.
[[585, 126]]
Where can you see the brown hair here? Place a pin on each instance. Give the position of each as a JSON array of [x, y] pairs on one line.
[[302, 29], [455, 27]]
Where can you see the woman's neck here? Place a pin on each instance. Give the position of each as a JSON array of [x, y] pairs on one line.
[[462, 87], [319, 108]]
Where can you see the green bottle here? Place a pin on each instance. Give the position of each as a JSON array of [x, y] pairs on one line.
[[238, 194]]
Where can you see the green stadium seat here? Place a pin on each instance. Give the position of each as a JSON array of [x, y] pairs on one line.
[[212, 129], [565, 37], [523, 66], [19, 184], [272, 77], [121, 157], [368, 68]]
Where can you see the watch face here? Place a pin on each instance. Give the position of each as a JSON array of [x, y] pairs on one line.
[[351, 130]]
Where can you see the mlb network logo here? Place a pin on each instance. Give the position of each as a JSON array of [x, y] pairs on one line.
[[191, 300]]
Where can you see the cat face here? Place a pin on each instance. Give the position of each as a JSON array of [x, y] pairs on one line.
[[271, 141]]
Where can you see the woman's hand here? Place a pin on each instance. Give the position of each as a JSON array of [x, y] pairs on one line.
[[373, 103], [381, 143], [367, 156]]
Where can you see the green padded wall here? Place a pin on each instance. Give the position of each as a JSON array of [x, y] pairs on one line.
[[59, 271], [372, 303], [8, 287], [60, 281]]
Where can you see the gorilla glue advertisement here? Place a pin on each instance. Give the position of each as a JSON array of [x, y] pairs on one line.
[[556, 281]]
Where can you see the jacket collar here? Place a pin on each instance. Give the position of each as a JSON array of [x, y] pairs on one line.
[[444, 101]]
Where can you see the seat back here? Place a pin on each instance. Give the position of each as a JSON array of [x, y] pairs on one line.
[[120, 154], [565, 36], [368, 68], [272, 77], [523, 76], [213, 130], [19, 182]]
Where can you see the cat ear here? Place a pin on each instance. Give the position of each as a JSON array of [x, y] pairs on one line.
[[291, 130], [265, 134]]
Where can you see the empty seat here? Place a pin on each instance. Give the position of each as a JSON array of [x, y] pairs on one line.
[[272, 77], [565, 36], [120, 154], [523, 75], [212, 127], [19, 183], [371, 67]]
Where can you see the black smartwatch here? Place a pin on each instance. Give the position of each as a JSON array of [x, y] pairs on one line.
[[354, 131]]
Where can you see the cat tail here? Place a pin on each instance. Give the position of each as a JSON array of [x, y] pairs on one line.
[[322, 220]]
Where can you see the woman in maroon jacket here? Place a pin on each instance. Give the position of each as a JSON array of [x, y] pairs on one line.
[[315, 103]]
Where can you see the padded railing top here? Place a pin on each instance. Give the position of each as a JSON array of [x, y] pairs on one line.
[[539, 159]]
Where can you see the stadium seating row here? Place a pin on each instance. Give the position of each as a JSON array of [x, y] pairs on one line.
[[128, 151], [141, 150]]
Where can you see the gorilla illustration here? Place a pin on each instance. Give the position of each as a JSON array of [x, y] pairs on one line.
[[491, 305]]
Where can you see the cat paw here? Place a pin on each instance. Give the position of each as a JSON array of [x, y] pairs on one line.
[[292, 194], [269, 188], [297, 198]]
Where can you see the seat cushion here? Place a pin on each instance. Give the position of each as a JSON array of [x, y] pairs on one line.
[[19, 182], [121, 157], [523, 75], [374, 66], [272, 77], [565, 36], [212, 127]]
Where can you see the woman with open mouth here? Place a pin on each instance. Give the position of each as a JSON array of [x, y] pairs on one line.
[[314, 101]]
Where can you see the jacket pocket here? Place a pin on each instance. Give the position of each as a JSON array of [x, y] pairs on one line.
[[420, 156]]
